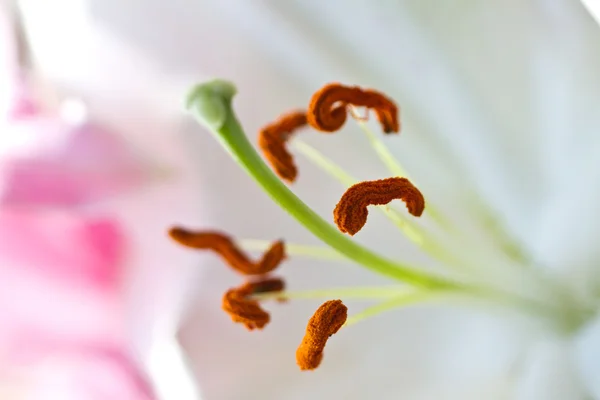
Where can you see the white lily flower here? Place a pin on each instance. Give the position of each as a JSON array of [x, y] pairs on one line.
[[498, 114]]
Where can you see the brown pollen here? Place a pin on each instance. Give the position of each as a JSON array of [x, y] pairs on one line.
[[266, 285], [326, 321], [242, 309], [226, 248], [350, 214], [329, 106], [272, 141]]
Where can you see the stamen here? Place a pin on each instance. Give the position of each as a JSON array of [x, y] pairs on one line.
[[487, 216], [356, 115], [293, 249], [326, 321], [398, 301], [329, 106], [226, 248], [267, 285], [392, 164], [361, 292], [241, 308], [351, 212], [272, 140], [413, 232], [326, 164]]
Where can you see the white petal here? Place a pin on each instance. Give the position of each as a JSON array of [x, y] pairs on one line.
[[503, 103], [587, 348], [594, 8], [567, 226], [414, 353], [548, 372]]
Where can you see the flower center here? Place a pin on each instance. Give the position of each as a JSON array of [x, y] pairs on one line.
[[493, 269]]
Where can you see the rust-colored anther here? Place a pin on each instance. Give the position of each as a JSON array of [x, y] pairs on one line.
[[242, 309], [226, 248], [326, 321], [266, 285], [272, 141], [328, 107], [270, 285], [351, 212]]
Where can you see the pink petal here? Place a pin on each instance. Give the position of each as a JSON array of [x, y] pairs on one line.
[[69, 248], [66, 165], [61, 310], [85, 370]]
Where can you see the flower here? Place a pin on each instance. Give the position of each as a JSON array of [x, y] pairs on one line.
[[57, 158], [63, 305], [503, 91], [62, 308], [559, 307], [470, 273], [63, 328], [58, 153]]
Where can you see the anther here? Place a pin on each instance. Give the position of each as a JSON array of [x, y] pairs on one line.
[[241, 308], [266, 285], [329, 106], [350, 214], [226, 248], [272, 141], [326, 321]]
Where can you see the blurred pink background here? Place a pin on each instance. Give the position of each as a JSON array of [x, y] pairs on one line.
[[83, 307]]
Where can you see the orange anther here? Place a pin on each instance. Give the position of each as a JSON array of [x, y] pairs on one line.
[[272, 141], [241, 308], [326, 321], [329, 106], [350, 214], [226, 248]]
